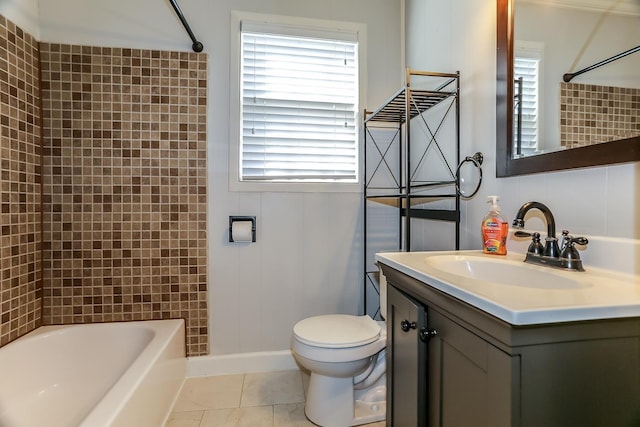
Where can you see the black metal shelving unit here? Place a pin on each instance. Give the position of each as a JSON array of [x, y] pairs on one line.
[[399, 166]]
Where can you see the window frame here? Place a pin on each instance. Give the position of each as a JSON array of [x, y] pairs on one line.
[[288, 24]]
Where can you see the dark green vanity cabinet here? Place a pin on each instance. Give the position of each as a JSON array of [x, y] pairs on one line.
[[482, 371]]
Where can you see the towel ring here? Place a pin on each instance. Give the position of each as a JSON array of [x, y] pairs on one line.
[[476, 160]]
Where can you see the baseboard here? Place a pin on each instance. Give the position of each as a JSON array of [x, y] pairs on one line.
[[241, 363]]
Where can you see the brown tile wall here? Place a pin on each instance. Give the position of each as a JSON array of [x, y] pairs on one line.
[[20, 214], [124, 180], [590, 114]]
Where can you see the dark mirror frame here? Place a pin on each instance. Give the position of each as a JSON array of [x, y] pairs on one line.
[[624, 150]]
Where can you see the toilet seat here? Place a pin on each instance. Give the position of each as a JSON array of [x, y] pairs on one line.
[[337, 331], [366, 335]]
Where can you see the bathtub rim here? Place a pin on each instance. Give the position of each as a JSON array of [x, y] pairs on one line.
[[117, 397], [166, 346]]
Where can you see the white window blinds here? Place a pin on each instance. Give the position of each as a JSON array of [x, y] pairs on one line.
[[528, 69], [299, 99]]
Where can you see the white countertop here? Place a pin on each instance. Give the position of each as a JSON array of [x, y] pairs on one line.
[[594, 294]]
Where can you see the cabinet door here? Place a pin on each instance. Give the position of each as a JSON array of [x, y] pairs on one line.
[[587, 383], [470, 380], [406, 361]]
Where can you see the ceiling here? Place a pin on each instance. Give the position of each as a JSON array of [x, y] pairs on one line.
[[625, 7]]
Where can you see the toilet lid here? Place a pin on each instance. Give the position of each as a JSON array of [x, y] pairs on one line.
[[337, 330]]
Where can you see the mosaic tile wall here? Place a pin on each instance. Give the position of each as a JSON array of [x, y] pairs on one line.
[[124, 180], [590, 114], [20, 214]]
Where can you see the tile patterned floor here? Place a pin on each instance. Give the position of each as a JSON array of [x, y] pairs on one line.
[[273, 399]]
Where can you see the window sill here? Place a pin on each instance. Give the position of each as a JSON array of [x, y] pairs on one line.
[[295, 187]]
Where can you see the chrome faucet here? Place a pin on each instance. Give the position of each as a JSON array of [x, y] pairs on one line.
[[550, 254]]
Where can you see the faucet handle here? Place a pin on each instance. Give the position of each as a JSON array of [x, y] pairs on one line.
[[569, 240], [578, 240], [535, 247], [568, 250], [570, 257]]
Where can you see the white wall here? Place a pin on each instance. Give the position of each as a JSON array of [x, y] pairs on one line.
[[602, 201], [308, 256]]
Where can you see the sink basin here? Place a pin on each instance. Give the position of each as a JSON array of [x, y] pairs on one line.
[[517, 292], [503, 271]]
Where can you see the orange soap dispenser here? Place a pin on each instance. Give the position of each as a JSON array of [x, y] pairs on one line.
[[495, 230]]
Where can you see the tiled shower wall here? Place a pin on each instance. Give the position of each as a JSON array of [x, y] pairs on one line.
[[590, 114], [104, 218], [20, 214], [124, 184]]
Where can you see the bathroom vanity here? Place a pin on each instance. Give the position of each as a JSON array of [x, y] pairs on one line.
[[550, 349]]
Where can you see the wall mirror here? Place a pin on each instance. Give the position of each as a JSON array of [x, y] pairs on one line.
[[569, 125]]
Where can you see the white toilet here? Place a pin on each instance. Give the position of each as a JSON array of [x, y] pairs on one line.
[[346, 357]]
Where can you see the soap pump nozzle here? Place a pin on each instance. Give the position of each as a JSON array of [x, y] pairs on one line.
[[494, 202]]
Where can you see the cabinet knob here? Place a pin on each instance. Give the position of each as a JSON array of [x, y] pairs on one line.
[[405, 325], [426, 334]]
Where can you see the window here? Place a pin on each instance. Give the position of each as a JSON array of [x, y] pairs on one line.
[[528, 57], [298, 104]]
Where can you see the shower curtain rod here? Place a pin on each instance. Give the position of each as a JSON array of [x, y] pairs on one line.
[[567, 77], [196, 46]]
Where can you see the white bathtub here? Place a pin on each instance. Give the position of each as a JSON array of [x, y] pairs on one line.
[[96, 375]]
